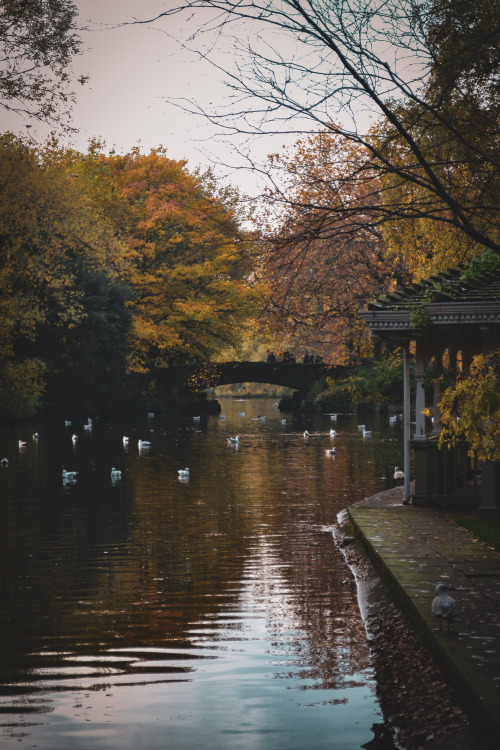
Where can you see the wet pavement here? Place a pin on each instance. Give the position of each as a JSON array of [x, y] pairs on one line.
[[415, 548]]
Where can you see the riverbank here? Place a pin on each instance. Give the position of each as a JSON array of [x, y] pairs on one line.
[[425, 675]]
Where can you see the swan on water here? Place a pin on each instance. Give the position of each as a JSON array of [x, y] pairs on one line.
[[115, 473], [241, 413], [367, 433], [361, 427], [332, 433], [234, 440], [21, 443], [306, 434], [35, 436], [74, 438], [144, 443], [196, 419], [125, 440], [183, 472], [4, 462], [69, 474]]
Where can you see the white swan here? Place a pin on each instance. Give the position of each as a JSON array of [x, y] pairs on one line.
[[196, 419], [367, 433], [74, 438], [35, 436], [115, 473], [234, 441], [144, 443], [306, 434], [283, 421], [361, 427], [398, 474], [67, 422], [332, 433], [125, 440], [21, 443], [69, 474], [4, 462], [183, 472], [241, 413], [393, 420]]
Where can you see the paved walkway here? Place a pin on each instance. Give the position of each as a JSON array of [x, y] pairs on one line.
[[416, 548]]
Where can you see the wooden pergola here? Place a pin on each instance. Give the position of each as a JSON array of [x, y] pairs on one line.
[[450, 318]]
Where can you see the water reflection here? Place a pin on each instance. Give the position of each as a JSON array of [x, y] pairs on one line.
[[212, 608]]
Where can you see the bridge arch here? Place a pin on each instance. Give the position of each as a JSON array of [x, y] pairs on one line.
[[288, 374]]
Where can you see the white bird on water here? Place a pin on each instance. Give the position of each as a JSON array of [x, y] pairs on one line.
[[116, 473], [234, 440], [183, 472], [74, 438], [241, 413], [444, 607], [69, 474], [332, 433], [4, 462], [125, 440], [144, 444], [331, 451], [21, 443], [306, 434], [367, 433]]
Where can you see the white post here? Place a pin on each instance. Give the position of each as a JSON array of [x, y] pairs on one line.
[[406, 422], [420, 394]]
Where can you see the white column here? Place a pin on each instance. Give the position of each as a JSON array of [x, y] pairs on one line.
[[420, 394], [406, 422]]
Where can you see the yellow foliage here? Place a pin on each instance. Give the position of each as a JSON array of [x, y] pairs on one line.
[[471, 410]]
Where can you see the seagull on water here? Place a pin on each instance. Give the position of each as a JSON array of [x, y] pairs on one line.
[[444, 607], [125, 440], [21, 443], [144, 444], [69, 474], [183, 472], [234, 440]]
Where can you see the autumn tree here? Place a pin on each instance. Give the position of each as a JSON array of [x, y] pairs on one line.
[[424, 73], [187, 259], [324, 254], [38, 41], [60, 291]]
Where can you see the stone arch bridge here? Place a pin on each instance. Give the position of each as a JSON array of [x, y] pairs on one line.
[[289, 374]]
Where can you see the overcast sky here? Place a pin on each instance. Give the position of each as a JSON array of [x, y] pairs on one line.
[[132, 70]]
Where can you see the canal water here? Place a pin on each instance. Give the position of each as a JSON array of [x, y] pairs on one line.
[[208, 612]]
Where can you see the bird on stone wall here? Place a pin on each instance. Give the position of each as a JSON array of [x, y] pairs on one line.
[[444, 607]]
